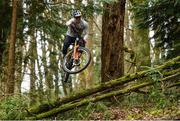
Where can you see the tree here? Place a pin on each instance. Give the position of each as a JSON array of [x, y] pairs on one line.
[[112, 41], [11, 59], [141, 42], [32, 64], [5, 24], [161, 16]]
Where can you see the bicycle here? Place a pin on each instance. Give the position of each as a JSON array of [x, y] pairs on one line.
[[76, 60]]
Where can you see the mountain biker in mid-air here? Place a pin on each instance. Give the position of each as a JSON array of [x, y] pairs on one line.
[[76, 26]]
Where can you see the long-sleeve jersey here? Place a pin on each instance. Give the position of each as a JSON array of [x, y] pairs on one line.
[[82, 27]]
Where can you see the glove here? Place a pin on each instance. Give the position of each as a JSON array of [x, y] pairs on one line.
[[85, 41], [73, 25], [82, 42]]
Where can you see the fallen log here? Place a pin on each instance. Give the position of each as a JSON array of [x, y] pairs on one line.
[[71, 105], [173, 85], [99, 88]]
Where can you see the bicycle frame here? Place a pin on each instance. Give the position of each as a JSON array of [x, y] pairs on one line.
[[72, 59], [75, 51]]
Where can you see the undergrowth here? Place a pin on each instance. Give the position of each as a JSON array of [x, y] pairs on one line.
[[152, 102], [158, 103], [13, 107]]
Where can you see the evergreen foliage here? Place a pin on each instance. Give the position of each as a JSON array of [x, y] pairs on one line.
[[163, 18]]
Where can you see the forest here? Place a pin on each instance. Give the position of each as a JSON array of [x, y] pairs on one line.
[[134, 60]]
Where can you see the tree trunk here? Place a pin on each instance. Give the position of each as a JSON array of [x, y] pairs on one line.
[[72, 105], [19, 51], [49, 73], [129, 64], [112, 41], [56, 73], [157, 53], [141, 43], [90, 43], [90, 68], [40, 82], [4, 26], [142, 48], [33, 78], [105, 86], [11, 59], [2, 41]]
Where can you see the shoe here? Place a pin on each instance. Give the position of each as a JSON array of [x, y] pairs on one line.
[[77, 62], [69, 65]]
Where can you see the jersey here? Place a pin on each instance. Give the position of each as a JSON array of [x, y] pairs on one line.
[[82, 27]]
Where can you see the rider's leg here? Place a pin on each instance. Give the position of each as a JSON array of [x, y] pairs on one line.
[[82, 43], [67, 42]]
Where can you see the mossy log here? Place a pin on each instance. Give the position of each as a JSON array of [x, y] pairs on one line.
[[173, 85], [71, 105], [100, 87]]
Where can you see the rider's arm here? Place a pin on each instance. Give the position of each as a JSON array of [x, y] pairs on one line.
[[85, 31], [71, 26], [68, 23]]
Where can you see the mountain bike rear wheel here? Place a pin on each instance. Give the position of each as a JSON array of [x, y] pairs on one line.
[[83, 61]]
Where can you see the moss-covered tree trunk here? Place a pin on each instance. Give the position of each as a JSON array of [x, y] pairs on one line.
[[85, 101], [142, 48], [112, 41], [40, 74], [47, 70], [20, 50], [49, 73], [104, 86], [129, 64], [55, 70], [90, 43], [32, 65], [141, 42], [19, 61]]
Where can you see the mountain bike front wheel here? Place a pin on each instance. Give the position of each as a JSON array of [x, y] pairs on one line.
[[82, 63]]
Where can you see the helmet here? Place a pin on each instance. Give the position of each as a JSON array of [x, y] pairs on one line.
[[76, 13]]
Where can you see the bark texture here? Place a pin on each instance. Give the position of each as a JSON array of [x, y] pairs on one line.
[[141, 43], [11, 59], [112, 41], [4, 26]]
